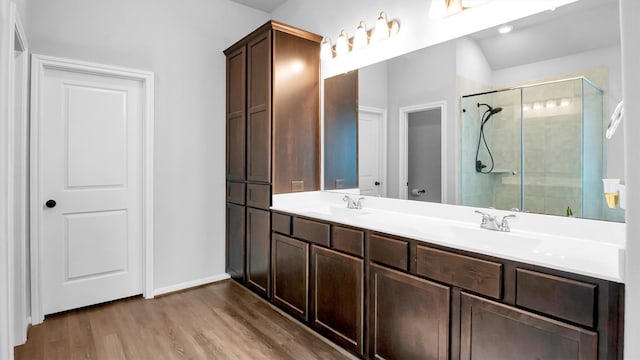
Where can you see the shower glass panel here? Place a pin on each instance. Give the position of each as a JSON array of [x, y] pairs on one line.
[[491, 156], [543, 153]]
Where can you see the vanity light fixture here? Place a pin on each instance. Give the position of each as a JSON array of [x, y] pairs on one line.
[[342, 43], [362, 37], [326, 51]]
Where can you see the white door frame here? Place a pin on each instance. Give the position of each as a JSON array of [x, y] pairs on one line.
[[39, 64], [19, 237], [404, 146], [12, 36], [382, 133]]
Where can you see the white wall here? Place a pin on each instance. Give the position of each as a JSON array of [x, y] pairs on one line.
[[182, 42], [373, 88], [422, 77], [630, 11]]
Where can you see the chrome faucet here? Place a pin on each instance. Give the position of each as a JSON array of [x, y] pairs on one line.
[[490, 222], [352, 204]]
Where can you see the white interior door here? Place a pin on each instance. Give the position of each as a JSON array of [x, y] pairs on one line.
[[370, 152], [90, 165]]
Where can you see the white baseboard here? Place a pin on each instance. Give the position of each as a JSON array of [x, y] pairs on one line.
[[190, 284]]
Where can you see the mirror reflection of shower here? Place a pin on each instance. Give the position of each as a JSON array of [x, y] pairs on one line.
[[481, 139], [519, 149]]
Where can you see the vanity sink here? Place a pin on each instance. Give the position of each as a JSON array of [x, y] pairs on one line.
[[334, 211]]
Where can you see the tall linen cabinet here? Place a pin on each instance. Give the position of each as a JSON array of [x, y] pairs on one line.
[[272, 139]]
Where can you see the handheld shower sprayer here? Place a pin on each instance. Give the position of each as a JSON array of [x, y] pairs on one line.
[[481, 138]]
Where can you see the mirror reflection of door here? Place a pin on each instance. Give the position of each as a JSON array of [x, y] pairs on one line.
[[371, 157], [424, 155]]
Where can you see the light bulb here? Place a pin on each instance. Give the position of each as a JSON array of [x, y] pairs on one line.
[[565, 102], [438, 9], [538, 105], [342, 43], [325, 49], [381, 31], [550, 104], [360, 38]]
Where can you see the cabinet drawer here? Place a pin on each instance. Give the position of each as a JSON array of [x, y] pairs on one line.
[[347, 240], [312, 231], [235, 192], [259, 196], [480, 276], [281, 223], [389, 251], [556, 296]]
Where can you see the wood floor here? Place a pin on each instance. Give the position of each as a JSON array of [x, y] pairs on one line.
[[217, 321]]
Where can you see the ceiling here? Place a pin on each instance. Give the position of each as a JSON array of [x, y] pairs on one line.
[[575, 28], [264, 5]]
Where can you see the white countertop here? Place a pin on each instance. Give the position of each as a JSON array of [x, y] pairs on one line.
[[586, 247]]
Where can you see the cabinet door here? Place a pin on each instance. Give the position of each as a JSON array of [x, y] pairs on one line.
[[235, 227], [491, 330], [258, 250], [236, 114], [409, 316], [290, 274], [259, 108], [337, 296]]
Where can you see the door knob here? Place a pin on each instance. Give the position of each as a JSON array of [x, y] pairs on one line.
[[50, 204], [377, 183]]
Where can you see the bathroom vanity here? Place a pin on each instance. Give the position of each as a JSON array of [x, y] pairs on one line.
[[387, 294]]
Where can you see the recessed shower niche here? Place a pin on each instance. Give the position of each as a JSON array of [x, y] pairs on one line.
[[520, 150]]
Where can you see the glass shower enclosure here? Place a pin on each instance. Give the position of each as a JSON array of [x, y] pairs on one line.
[[537, 148]]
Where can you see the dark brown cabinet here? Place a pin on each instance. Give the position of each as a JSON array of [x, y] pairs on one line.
[[337, 293], [491, 330], [259, 108], [236, 114], [408, 316], [290, 268], [258, 250], [272, 136], [235, 226]]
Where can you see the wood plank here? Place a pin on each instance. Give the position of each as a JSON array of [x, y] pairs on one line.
[[217, 321]]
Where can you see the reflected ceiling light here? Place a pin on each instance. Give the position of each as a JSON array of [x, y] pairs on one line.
[[326, 52], [342, 43], [362, 38], [505, 29]]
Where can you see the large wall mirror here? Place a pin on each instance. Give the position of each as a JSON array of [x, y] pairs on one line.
[[511, 117]]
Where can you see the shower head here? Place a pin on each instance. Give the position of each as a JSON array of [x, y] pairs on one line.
[[491, 110]]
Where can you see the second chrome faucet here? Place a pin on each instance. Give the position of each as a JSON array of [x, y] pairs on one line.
[[352, 204], [490, 222]]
